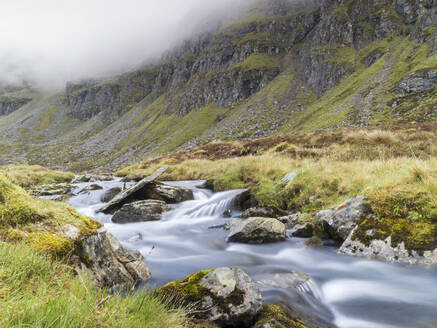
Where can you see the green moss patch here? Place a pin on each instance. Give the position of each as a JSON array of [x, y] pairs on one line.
[[273, 316]]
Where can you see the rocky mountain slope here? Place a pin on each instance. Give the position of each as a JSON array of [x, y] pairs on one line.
[[302, 65]]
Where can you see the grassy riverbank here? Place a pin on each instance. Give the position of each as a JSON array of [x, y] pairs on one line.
[[38, 288]]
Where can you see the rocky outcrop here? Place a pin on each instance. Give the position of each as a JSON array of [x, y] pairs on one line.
[[110, 263], [256, 231], [339, 222], [11, 104], [225, 296], [386, 250], [141, 211]]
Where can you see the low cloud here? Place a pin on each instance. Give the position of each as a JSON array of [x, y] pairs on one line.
[[52, 41]]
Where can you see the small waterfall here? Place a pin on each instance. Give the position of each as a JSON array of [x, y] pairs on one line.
[[310, 287], [214, 206]]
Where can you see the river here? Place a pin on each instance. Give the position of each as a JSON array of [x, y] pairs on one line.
[[346, 291]]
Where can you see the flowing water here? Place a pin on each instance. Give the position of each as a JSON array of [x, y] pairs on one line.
[[348, 292]]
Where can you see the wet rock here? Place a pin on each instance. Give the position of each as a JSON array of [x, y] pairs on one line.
[[245, 201], [265, 212], [110, 194], [141, 211], [225, 296], [91, 187], [168, 194], [339, 222], [304, 230], [384, 250], [132, 177], [256, 231], [133, 193], [112, 265], [290, 220]]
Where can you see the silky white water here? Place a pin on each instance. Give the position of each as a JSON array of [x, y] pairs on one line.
[[348, 292]]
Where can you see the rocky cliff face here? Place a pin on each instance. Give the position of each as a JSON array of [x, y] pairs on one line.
[[282, 66]]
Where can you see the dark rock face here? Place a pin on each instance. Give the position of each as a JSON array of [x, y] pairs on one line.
[[225, 296], [144, 210], [110, 194], [256, 231], [339, 222], [112, 265], [303, 230], [10, 105]]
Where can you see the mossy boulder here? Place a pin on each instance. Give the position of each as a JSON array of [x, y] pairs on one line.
[[256, 231], [224, 296], [141, 211]]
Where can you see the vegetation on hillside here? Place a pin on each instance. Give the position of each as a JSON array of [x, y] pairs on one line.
[[33, 175]]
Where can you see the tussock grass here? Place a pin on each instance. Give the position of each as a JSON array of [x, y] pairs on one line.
[[38, 292], [32, 175]]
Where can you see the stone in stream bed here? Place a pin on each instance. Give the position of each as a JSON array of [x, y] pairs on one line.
[[110, 194], [141, 211], [91, 187], [256, 231], [226, 296], [149, 189]]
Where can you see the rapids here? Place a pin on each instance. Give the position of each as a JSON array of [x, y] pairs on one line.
[[349, 292]]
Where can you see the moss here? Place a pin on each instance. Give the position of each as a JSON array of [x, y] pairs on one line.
[[190, 291], [51, 243], [273, 316], [47, 117], [258, 62]]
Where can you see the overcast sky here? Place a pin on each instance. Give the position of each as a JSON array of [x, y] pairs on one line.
[[60, 40]]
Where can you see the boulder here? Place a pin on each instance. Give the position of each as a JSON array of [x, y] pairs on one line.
[[225, 296], [110, 194], [148, 189], [141, 211], [340, 221], [264, 212], [256, 231], [112, 265], [166, 193], [304, 230]]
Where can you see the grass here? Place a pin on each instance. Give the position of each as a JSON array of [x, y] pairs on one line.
[[258, 62], [31, 175], [36, 291], [39, 222]]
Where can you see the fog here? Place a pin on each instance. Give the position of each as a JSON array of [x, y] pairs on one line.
[[52, 41]]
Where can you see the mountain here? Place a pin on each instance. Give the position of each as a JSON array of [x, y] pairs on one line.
[[283, 66]]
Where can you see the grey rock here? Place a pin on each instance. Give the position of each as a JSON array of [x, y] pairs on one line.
[[304, 230], [166, 193], [131, 194], [112, 265], [256, 231], [339, 222], [289, 178], [91, 178], [384, 250], [290, 220], [110, 194], [241, 298], [141, 211], [135, 238]]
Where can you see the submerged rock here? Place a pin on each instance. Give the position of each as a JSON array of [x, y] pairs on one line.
[[226, 296], [110, 194], [112, 265], [339, 222], [140, 211], [256, 231]]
